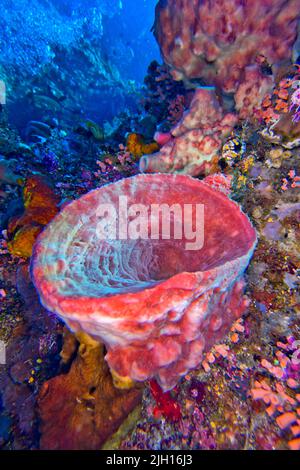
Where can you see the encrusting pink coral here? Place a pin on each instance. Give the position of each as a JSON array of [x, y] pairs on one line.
[[194, 142], [156, 304]]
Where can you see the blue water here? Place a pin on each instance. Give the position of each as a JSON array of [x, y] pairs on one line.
[[88, 55]]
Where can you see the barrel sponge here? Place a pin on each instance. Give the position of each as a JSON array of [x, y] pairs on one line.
[[155, 304]]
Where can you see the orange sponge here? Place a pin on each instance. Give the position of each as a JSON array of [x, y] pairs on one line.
[[40, 206], [137, 146]]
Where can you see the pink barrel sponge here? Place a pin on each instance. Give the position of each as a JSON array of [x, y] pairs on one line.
[[157, 304]]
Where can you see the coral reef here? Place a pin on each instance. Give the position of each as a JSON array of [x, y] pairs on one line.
[[195, 141], [95, 129], [61, 136], [234, 58], [131, 295], [7, 174], [280, 111], [233, 399], [32, 346]]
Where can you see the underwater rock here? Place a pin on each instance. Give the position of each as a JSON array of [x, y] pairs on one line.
[[80, 410], [24, 366], [195, 140], [157, 304]]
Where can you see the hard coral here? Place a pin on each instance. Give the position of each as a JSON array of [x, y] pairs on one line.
[[218, 40], [195, 140], [155, 303]]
